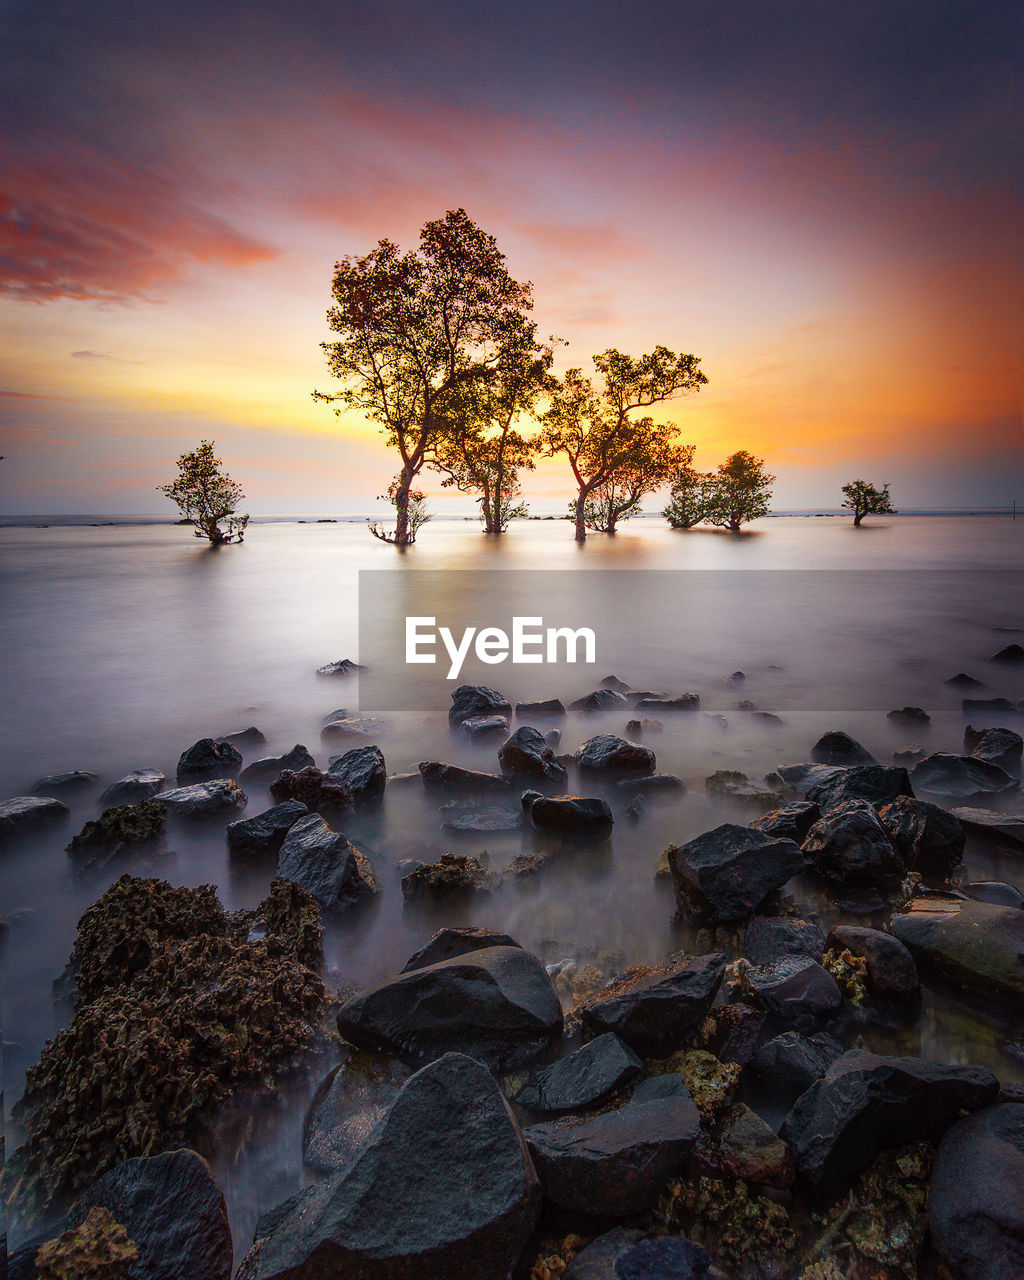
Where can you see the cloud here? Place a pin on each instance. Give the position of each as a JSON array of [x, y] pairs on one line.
[[90, 355], [28, 395]]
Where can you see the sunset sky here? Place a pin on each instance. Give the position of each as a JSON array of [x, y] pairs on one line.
[[819, 199]]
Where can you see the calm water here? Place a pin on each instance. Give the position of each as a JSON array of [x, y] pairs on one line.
[[122, 646]]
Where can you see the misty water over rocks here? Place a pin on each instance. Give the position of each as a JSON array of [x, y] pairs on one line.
[[123, 647]]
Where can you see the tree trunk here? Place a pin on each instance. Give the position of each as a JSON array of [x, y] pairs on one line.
[[581, 523], [402, 538], [858, 516], [612, 518], [735, 523]]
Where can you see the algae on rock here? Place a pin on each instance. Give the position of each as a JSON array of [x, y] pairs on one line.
[[98, 1249]]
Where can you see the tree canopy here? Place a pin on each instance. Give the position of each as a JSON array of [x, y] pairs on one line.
[[740, 491], [864, 499], [207, 496], [691, 494]]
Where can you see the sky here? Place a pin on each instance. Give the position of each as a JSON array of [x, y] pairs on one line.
[[820, 199]]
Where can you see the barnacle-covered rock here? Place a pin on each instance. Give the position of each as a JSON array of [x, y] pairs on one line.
[[123, 825], [99, 1249]]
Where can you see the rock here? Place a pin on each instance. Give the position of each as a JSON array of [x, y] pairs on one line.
[[172, 1210], [748, 1148], [207, 759], [612, 1165], [343, 667], [268, 767], [140, 784], [548, 709], [657, 1012], [961, 777], [613, 682], [204, 799], [790, 1063], [997, 745], [976, 1201], [907, 757], [725, 874], [347, 1108], [526, 755], [766, 717], [363, 772], [795, 989], [732, 1031], [552, 738], [849, 846], [971, 944], [479, 818], [452, 875], [496, 1004], [444, 1190], [583, 1079], [330, 869], [22, 814], [450, 942], [790, 822], [65, 784], [801, 777], [865, 1104], [963, 681], [472, 700], [609, 754], [730, 784], [991, 707], [451, 777], [627, 1254], [123, 826], [251, 737], [351, 729], [876, 783], [98, 1247], [995, 892], [929, 839], [1002, 829], [838, 748], [263, 835], [685, 702], [1012, 654], [313, 788], [670, 1084], [909, 715], [769, 938], [599, 700], [578, 816], [484, 728], [661, 783], [891, 973]]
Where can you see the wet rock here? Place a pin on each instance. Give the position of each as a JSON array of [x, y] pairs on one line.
[[472, 700], [670, 1084], [351, 729], [849, 846], [730, 784], [769, 938], [963, 681], [657, 1012], [485, 728], [613, 682], [995, 892], [627, 1254], [552, 738], [526, 755], [612, 1165], [444, 1190], [450, 942], [976, 1202], [997, 745], [140, 784], [865, 1104], [496, 1004], [971, 944], [363, 771], [582, 1079], [929, 839], [838, 748], [725, 874], [172, 1210], [609, 754], [1011, 654], [790, 1063], [263, 835], [907, 757], [251, 737], [795, 989], [732, 1032], [790, 822], [204, 799], [343, 667], [65, 784], [991, 707], [960, 777], [347, 1107], [475, 818], [98, 1248], [22, 814], [766, 717], [547, 709], [1003, 829], [891, 974], [909, 715], [801, 777], [685, 702], [268, 767], [599, 700], [313, 788], [877, 784], [330, 869], [661, 783], [121, 827], [579, 816], [748, 1148], [451, 777], [453, 875], [207, 759]]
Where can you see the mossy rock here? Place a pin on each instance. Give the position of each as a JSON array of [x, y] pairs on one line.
[[122, 826], [99, 1249]]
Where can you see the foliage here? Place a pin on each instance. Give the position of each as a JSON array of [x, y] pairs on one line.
[[741, 491], [864, 499], [691, 493], [207, 496], [410, 515], [97, 1249]]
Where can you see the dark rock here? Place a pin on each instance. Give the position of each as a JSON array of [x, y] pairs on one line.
[[609, 754], [552, 738], [891, 973], [251, 737], [479, 818], [351, 729], [907, 757], [748, 1148], [876, 783], [331, 870], [496, 1004], [121, 827], [527, 755], [65, 784], [343, 667], [264, 834], [339, 713], [725, 874], [685, 702], [960, 777], [472, 700], [791, 1063], [995, 892], [599, 700], [909, 715], [963, 681], [976, 1201], [452, 875], [766, 717], [547, 709], [450, 777], [997, 745], [348, 1106], [671, 1084], [448, 943], [637, 808], [769, 938], [613, 682], [838, 748], [268, 767], [730, 784], [732, 1032], [626, 1254], [612, 1165], [173, 1211], [484, 728], [140, 784], [22, 814], [1002, 829], [1012, 654], [582, 1079], [578, 816], [528, 799], [657, 1013], [801, 777], [849, 846], [929, 839], [790, 822], [653, 782], [795, 989], [315, 789], [865, 1104], [363, 771], [207, 759], [991, 707], [444, 1190], [204, 799], [971, 944]]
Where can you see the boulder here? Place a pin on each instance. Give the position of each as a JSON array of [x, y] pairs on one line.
[[22, 814], [963, 681], [472, 700], [876, 783], [795, 989], [496, 1004], [976, 1201], [790, 822], [730, 784], [351, 729], [363, 771], [612, 1165], [929, 839], [891, 972], [453, 875], [1011, 654], [685, 702], [849, 846], [790, 1063], [450, 942], [971, 944], [583, 1079], [251, 737], [331, 869], [315, 789], [865, 1104], [172, 1210], [613, 682], [732, 1031], [838, 748], [484, 728], [263, 835], [627, 1254], [65, 784], [343, 667], [996, 892], [768, 938], [451, 777], [347, 1107], [997, 745], [960, 777], [205, 799], [140, 784], [656, 1013], [124, 826], [801, 777], [659, 783], [267, 768], [1003, 829], [480, 818], [547, 709], [599, 700], [907, 757], [670, 1084], [909, 715], [748, 1148], [443, 1190], [608, 754], [207, 759], [526, 755], [578, 816], [725, 874], [991, 707]]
